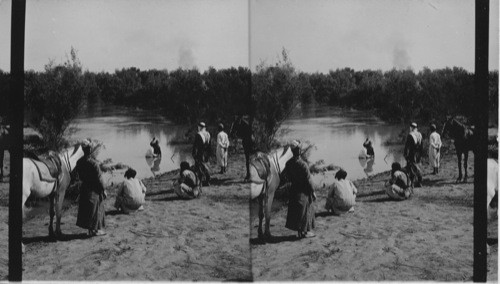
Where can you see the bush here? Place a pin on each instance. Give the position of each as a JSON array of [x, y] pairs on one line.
[[276, 91], [54, 98]]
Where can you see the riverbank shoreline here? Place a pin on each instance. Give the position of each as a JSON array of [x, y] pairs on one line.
[[428, 237]]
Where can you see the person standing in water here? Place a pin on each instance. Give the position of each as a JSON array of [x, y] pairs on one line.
[[155, 144], [369, 148]]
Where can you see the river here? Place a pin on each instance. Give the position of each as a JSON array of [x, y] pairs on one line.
[[337, 134]]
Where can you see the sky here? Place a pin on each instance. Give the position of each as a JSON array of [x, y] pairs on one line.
[[319, 35]]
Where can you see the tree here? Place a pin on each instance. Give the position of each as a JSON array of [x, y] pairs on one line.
[[54, 98], [275, 93]]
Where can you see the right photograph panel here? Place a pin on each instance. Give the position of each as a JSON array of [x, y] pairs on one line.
[[362, 122]]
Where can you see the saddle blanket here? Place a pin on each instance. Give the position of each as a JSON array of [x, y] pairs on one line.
[[48, 169], [261, 163]]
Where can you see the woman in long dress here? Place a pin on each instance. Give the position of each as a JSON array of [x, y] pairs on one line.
[[300, 216], [91, 206]]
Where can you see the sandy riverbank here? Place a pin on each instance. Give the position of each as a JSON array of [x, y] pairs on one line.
[[429, 237], [172, 239]]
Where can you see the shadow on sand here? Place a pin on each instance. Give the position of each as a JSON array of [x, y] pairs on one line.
[[49, 239], [274, 240], [159, 192]]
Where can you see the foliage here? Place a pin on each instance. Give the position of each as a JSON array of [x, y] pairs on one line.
[[53, 99], [276, 91]]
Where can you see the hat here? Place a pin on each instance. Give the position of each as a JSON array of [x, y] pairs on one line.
[[413, 124], [221, 126], [201, 124], [295, 143], [433, 126]]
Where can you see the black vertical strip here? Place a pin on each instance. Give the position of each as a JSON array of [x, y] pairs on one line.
[[16, 97], [480, 155]]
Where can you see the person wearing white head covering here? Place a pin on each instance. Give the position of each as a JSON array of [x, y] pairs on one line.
[[413, 152], [222, 146], [434, 149], [201, 151]]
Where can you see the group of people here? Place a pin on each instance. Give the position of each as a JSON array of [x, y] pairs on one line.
[[341, 196], [130, 196], [192, 178], [300, 217], [400, 186], [301, 213]]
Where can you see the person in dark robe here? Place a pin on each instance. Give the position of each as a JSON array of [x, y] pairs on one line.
[[412, 153], [92, 194], [201, 153], [300, 216]]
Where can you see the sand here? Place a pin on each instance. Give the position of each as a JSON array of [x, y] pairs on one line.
[[172, 239], [429, 237]]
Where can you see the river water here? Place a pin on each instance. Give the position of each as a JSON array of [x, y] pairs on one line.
[[337, 134]]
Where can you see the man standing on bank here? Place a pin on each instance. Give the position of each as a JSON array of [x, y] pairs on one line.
[[412, 154], [201, 152], [434, 149], [222, 146]]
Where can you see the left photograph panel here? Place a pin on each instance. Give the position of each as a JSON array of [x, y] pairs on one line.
[[131, 169], [5, 127]]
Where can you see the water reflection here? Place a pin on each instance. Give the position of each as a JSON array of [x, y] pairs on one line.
[[126, 134], [154, 164], [337, 134], [367, 165]]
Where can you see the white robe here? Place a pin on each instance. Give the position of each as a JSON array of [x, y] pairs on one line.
[[434, 149], [342, 196], [222, 146]]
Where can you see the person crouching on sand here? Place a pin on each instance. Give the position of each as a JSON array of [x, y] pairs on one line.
[[342, 196], [131, 194], [300, 216], [188, 185], [398, 187]]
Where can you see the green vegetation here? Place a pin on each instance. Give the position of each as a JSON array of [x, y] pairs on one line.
[[55, 96], [53, 99]]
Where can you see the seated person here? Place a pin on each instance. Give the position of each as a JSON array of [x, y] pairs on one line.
[[342, 195], [398, 187], [189, 185], [131, 194]]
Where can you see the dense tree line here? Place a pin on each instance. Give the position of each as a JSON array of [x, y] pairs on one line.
[[401, 95], [184, 95], [55, 96]]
